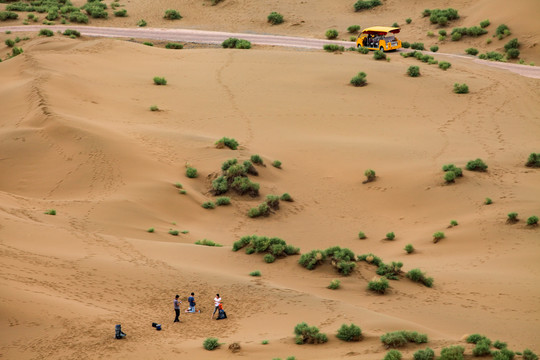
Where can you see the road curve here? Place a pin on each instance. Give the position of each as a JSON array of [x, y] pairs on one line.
[[217, 37]]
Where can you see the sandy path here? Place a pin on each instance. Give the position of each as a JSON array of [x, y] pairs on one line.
[[216, 37]]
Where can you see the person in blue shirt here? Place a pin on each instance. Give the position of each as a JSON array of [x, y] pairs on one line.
[[191, 301]]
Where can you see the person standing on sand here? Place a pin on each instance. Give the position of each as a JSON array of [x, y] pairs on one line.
[[177, 307], [191, 300], [217, 302]]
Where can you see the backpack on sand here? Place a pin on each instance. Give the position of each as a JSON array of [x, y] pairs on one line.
[[221, 314], [118, 333]]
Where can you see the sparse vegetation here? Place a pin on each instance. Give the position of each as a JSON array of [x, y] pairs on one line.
[[334, 284], [256, 159], [529, 355], [405, 44], [223, 200], [353, 29], [439, 235], [390, 236], [225, 141], [191, 172], [408, 20], [211, 343], [171, 14], [413, 71], [409, 248], [366, 4], [461, 88], [50, 212], [333, 47], [418, 276], [472, 51], [234, 43], [148, 43], [173, 232], [175, 46], [452, 353], [532, 220], [476, 165], [349, 333], [533, 160], [306, 334], [276, 164], [274, 246], [512, 217], [502, 30], [444, 65], [359, 79], [120, 13], [275, 18], [484, 23], [370, 175], [398, 339], [378, 285], [488, 201], [255, 273], [453, 223], [208, 205], [449, 177], [150, 230], [154, 108], [499, 345], [46, 32], [361, 235], [206, 242], [331, 34], [312, 259], [417, 46], [434, 48], [16, 51], [392, 355], [8, 15], [286, 197], [269, 258], [160, 80], [379, 55], [70, 32], [9, 43], [482, 348]]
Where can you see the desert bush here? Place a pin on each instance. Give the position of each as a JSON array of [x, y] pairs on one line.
[[256, 159], [366, 4], [532, 220], [50, 212], [46, 32], [451, 167], [378, 285], [492, 55], [223, 200], [453, 223], [78, 17], [439, 235], [174, 232], [70, 32], [472, 51], [405, 44], [8, 15], [120, 13], [417, 46], [154, 108], [353, 29], [512, 54], [390, 271], [312, 259], [208, 205], [172, 45], [225, 141], [272, 201], [413, 71], [476, 165], [359, 79], [269, 258], [334, 284], [482, 348], [306, 334], [243, 44], [499, 345], [342, 259], [488, 201], [255, 273], [229, 43], [361, 235], [529, 355], [286, 197], [211, 343], [476, 31], [141, 23], [449, 176], [370, 175], [456, 36], [390, 236], [392, 355], [16, 51], [444, 65], [379, 55], [533, 160], [426, 12], [150, 230], [503, 354], [394, 339], [171, 14], [262, 210], [409, 248], [160, 80], [461, 88], [10, 42], [331, 34], [370, 259], [434, 48], [502, 30], [408, 20], [452, 353], [426, 354], [417, 275], [206, 242], [349, 333], [363, 50], [148, 43], [333, 47], [96, 10], [484, 23], [242, 185], [275, 18], [276, 164], [512, 217]]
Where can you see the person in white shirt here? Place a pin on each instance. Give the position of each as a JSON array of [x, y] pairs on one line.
[[217, 302]]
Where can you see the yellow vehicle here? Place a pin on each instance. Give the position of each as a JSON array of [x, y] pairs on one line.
[[379, 38]]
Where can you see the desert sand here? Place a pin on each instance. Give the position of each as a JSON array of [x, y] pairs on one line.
[[77, 136]]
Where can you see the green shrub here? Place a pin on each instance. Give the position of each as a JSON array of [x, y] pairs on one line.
[[512, 53], [370, 175], [532, 220], [453, 223], [262, 210], [482, 348], [172, 45], [96, 11], [174, 232], [409, 248], [141, 23], [70, 32], [242, 185], [441, 17], [206, 242], [461, 88], [366, 4], [154, 108], [8, 15], [331, 34], [488, 201], [334, 284], [379, 55], [16, 51], [476, 31], [171, 14], [255, 273], [413, 71], [456, 36], [286, 197], [306, 334], [333, 47], [147, 43], [444, 65], [390, 271], [442, 32], [363, 50], [150, 230], [223, 200], [499, 345], [449, 176], [417, 275], [10, 42], [512, 217], [503, 354], [394, 339], [120, 13], [243, 44], [475, 338], [476, 165], [378, 286], [225, 141], [229, 43], [370, 259], [276, 164], [408, 20], [405, 45], [353, 29], [361, 235], [269, 258], [359, 79], [417, 46], [256, 159], [191, 172], [426, 354], [484, 23], [160, 80], [78, 17], [533, 160], [434, 48], [211, 343], [342, 259], [452, 353], [275, 18], [392, 355], [439, 235], [349, 333], [46, 32], [502, 30], [50, 212], [312, 259], [529, 355], [208, 205], [472, 51], [390, 236]]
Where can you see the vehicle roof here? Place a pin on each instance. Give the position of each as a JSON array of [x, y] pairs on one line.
[[381, 29]]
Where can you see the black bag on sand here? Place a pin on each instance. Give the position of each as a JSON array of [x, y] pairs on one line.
[[118, 333], [221, 315]]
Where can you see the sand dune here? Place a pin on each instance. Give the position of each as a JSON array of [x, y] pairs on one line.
[[77, 136]]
